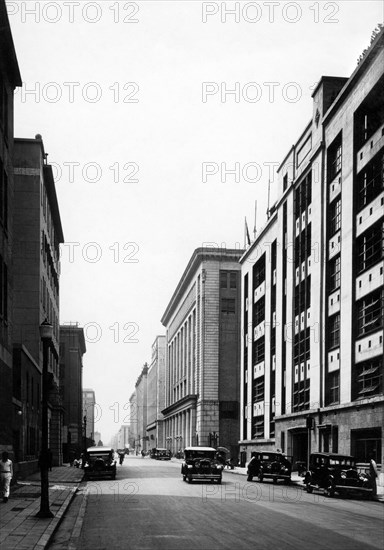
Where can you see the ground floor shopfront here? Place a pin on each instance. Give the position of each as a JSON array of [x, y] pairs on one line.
[[354, 429]]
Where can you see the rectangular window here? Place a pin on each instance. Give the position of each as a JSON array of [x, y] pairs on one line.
[[223, 279], [370, 181], [259, 389], [369, 378], [233, 279], [370, 313], [259, 311], [259, 272], [228, 306], [334, 158], [334, 273], [259, 347], [258, 427], [334, 331], [333, 383], [370, 247], [335, 217]]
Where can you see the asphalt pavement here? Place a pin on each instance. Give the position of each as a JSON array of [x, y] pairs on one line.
[[21, 529]]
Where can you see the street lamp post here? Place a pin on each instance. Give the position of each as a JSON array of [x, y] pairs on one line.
[[46, 333]]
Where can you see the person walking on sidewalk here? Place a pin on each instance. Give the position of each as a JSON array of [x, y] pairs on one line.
[[6, 473], [373, 473]]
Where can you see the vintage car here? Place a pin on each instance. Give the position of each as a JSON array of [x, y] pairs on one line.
[[99, 462], [269, 465], [200, 463], [161, 454], [336, 473]]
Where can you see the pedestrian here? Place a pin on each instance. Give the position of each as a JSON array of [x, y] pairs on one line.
[[6, 473], [373, 473]]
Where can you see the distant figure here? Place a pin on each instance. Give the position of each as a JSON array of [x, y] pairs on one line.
[[373, 473], [6, 473], [142, 453]]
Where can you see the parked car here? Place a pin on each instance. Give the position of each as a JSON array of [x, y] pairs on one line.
[[336, 473], [201, 463], [269, 465], [99, 462], [162, 454]]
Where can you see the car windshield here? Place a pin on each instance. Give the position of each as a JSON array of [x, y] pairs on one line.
[[200, 454], [269, 457], [342, 461]]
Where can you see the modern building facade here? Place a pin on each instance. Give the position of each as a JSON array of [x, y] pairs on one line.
[[156, 394], [72, 349], [312, 293], [11, 409], [202, 322], [36, 274]]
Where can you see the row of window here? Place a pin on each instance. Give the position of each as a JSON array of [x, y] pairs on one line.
[[370, 181]]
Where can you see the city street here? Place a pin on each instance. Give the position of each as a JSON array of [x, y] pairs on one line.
[[149, 506]]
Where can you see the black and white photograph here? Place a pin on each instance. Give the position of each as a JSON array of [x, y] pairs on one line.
[[191, 275]]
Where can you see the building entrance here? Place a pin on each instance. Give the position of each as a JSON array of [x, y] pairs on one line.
[[299, 448]]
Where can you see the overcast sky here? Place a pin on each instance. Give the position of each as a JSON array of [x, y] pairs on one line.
[[134, 106]]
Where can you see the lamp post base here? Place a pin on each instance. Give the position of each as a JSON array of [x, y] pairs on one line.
[[44, 514]]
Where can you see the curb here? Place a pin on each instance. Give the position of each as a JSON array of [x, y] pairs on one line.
[[75, 536], [55, 522]]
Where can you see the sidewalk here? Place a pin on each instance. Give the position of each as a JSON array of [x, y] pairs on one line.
[[19, 528]]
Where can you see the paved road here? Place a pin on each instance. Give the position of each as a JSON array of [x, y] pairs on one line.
[[148, 506]]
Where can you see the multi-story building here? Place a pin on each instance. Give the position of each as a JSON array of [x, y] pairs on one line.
[[139, 413], [11, 419], [202, 321], [36, 273], [72, 349], [133, 429], [89, 413], [123, 437], [156, 394], [312, 300]]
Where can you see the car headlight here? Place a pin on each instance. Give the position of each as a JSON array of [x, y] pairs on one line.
[[343, 475], [220, 467], [189, 466]]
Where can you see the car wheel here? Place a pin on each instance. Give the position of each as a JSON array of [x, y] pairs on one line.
[[309, 487], [260, 478], [330, 490], [219, 481], [249, 478], [189, 479], [274, 480], [287, 481], [184, 478]]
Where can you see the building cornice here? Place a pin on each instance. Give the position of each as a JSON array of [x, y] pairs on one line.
[[199, 256], [185, 402]]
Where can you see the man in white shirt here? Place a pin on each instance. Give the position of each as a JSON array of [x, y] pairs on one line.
[[6, 473]]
